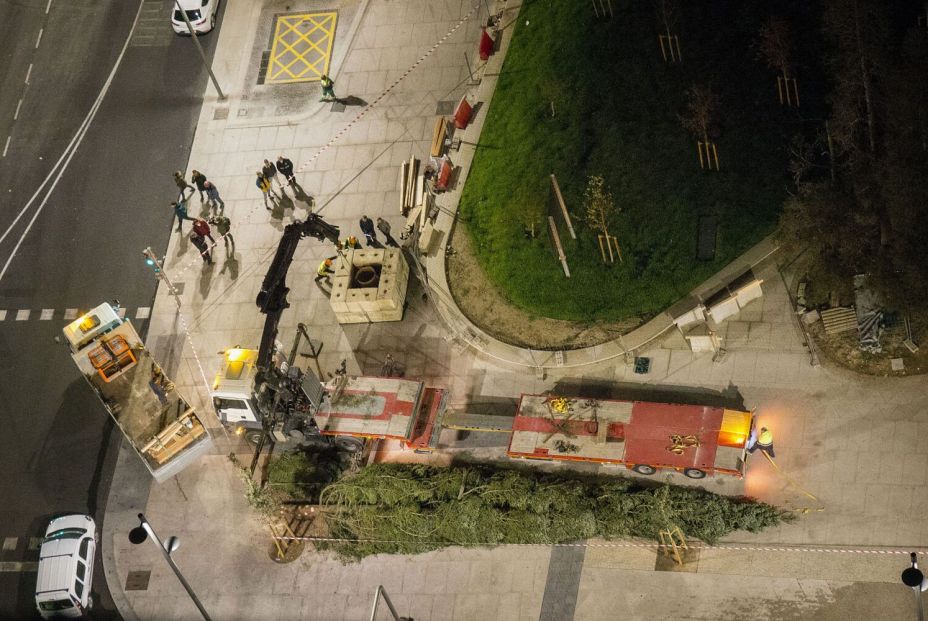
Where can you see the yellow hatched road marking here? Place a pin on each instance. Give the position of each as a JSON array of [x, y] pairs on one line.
[[288, 40]]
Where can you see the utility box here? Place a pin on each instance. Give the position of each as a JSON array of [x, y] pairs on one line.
[[369, 285]]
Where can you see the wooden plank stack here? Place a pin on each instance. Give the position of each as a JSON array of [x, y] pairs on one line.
[[841, 319], [409, 173]]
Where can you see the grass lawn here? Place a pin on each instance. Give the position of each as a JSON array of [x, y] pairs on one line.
[[616, 115]]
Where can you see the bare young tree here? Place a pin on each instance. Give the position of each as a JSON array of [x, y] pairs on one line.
[[701, 108], [599, 209], [774, 45]]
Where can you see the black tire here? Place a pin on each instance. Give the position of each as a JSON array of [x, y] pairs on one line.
[[644, 469], [695, 473], [349, 444], [253, 436]]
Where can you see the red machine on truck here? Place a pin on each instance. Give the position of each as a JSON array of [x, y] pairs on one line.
[[696, 440]]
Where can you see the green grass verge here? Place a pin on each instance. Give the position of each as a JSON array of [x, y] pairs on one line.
[[616, 106]]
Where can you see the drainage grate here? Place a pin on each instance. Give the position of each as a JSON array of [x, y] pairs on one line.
[[220, 114], [262, 70], [444, 108], [138, 580]]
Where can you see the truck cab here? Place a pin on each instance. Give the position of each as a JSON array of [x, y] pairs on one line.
[[232, 390]]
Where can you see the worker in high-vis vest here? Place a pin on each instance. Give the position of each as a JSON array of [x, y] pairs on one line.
[[762, 441], [325, 271]]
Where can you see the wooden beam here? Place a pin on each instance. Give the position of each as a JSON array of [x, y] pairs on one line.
[[560, 201], [557, 244]]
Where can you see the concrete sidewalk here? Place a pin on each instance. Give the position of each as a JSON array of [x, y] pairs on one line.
[[846, 439]]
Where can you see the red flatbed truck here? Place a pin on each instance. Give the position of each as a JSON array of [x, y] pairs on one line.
[[696, 440]]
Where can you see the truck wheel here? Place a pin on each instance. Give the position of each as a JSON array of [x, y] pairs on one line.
[[644, 469], [253, 437], [349, 444], [695, 473]]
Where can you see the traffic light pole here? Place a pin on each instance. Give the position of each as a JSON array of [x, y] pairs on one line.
[[154, 261]]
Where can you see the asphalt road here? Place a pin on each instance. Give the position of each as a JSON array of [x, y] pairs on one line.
[[58, 445]]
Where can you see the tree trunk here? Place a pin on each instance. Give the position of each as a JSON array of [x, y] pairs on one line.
[[865, 80]]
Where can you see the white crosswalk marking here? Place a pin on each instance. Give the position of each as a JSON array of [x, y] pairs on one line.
[[35, 543], [47, 314], [8, 567], [122, 313], [143, 313], [2, 315], [70, 313], [22, 314], [9, 543]]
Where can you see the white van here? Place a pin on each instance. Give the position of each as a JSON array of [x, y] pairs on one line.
[[66, 567]]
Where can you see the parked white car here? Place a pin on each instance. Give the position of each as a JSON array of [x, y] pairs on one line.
[[66, 567], [201, 13]]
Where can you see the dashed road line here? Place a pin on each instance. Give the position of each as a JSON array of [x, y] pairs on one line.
[[28, 73], [18, 106], [11, 567], [48, 7], [39, 38], [6, 146], [68, 314]]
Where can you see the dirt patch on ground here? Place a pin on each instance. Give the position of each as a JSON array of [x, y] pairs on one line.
[[485, 305], [842, 349]]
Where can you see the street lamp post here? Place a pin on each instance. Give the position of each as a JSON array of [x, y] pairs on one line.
[[193, 34], [141, 532], [914, 578]]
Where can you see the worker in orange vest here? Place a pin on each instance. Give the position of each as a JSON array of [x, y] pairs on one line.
[[762, 441]]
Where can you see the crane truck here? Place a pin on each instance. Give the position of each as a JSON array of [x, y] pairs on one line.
[[260, 394]]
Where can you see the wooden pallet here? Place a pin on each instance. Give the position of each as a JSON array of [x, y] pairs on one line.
[[841, 319]]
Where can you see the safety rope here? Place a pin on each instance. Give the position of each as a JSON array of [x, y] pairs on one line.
[[796, 485], [632, 544]]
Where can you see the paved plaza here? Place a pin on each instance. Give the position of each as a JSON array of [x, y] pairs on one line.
[[852, 442]]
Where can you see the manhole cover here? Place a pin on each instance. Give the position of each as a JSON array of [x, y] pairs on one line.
[[220, 114], [444, 108], [138, 580]]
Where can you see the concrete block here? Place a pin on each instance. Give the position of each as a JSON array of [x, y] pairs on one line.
[[367, 256]]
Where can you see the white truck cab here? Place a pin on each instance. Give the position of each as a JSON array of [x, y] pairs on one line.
[[232, 389], [66, 567]]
